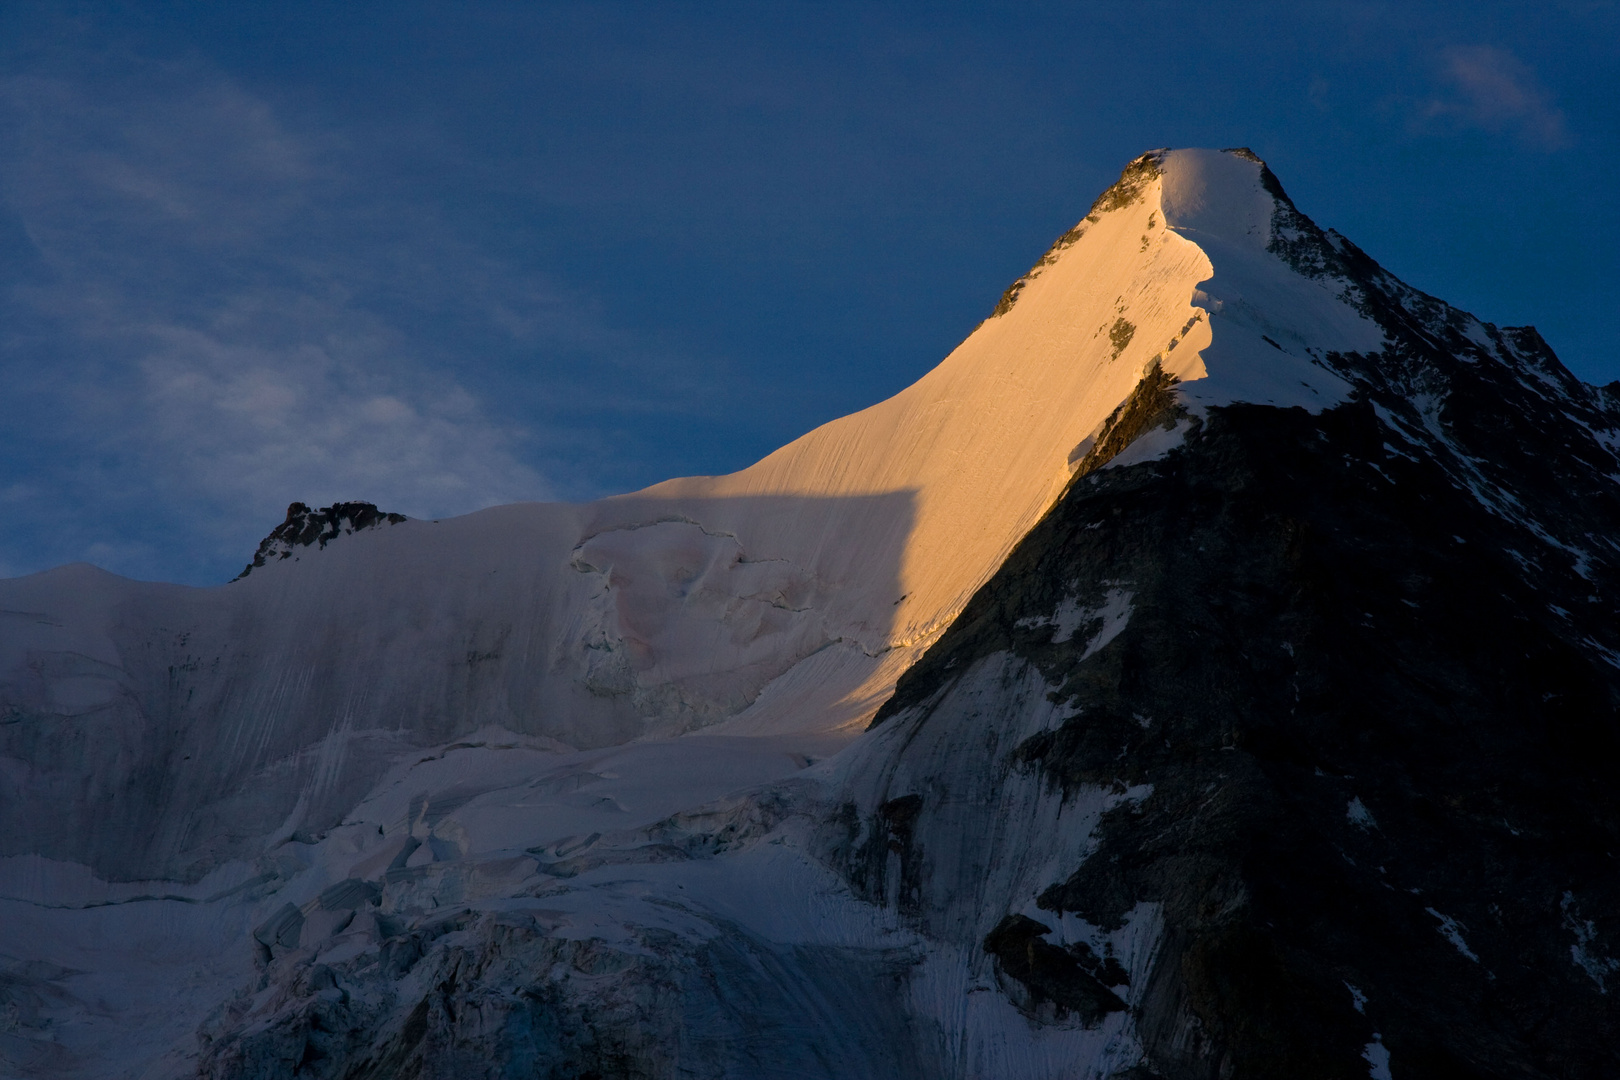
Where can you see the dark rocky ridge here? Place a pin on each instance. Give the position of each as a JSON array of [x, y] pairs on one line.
[[1372, 674], [304, 527]]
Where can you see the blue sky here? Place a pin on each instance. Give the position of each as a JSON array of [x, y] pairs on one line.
[[444, 256]]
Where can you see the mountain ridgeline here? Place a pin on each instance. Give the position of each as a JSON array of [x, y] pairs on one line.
[[1260, 726]]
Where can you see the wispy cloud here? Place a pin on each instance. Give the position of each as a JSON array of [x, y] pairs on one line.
[[1492, 90], [236, 417], [194, 327]]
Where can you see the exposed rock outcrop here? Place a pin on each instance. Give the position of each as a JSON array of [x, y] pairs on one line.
[[305, 527]]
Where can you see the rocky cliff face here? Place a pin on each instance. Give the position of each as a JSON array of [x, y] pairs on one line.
[[1372, 747], [1280, 746]]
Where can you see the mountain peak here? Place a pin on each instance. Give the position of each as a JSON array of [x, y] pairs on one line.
[[1230, 193], [1218, 590], [1215, 276], [1224, 194]]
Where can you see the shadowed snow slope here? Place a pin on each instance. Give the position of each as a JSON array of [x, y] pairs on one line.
[[622, 739]]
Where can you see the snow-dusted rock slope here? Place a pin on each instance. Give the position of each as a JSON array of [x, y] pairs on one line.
[[568, 790]]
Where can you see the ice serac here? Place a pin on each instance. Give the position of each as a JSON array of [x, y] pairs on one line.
[[563, 790]]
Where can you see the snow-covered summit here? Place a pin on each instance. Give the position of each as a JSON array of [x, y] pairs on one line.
[[459, 714]]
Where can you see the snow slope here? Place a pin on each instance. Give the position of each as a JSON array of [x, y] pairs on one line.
[[231, 750]]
